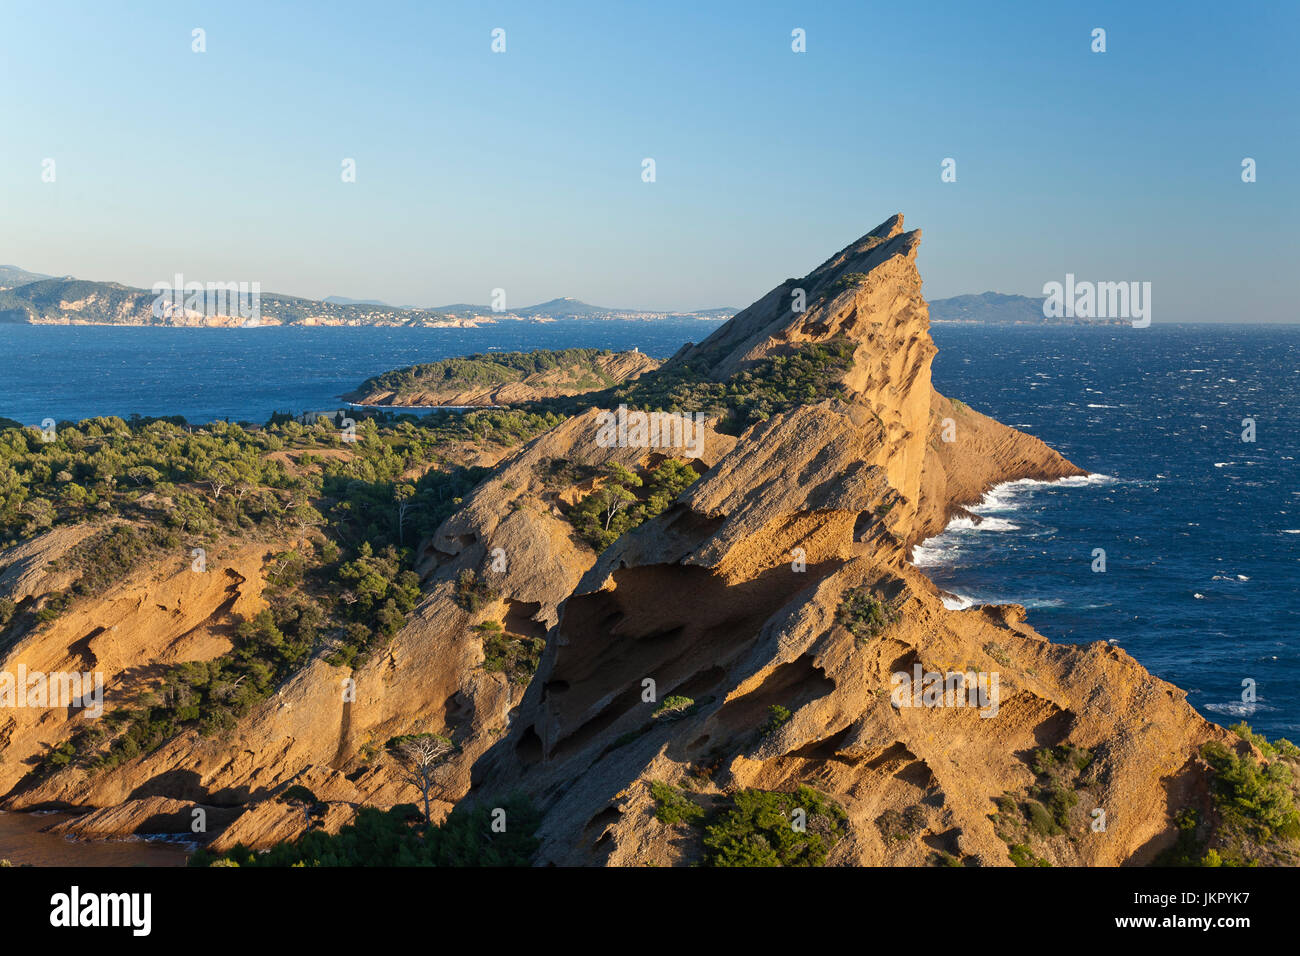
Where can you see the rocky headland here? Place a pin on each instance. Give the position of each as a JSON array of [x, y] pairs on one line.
[[502, 378], [734, 650]]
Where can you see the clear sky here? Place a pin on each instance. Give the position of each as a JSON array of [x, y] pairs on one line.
[[523, 170]]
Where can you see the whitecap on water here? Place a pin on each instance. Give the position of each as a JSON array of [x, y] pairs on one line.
[[929, 554], [956, 602], [1002, 497], [1237, 708], [984, 524], [1028, 603]]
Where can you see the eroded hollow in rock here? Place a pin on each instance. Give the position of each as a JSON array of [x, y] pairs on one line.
[[676, 624]]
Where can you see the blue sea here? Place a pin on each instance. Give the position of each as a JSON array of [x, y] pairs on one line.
[[1201, 531], [64, 372]]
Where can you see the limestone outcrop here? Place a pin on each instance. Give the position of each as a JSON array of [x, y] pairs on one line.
[[740, 598]]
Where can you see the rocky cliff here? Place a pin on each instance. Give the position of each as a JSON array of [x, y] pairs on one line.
[[746, 639], [780, 580]]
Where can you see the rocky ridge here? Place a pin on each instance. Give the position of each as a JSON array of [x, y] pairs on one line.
[[739, 598]]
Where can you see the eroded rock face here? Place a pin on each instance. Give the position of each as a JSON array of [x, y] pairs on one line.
[[736, 598], [870, 294], [164, 615], [429, 679]]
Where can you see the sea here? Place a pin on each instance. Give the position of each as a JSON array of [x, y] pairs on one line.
[[1191, 434], [74, 372], [1200, 527]]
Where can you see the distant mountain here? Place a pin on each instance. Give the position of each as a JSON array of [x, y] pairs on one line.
[[566, 308], [11, 276], [996, 308]]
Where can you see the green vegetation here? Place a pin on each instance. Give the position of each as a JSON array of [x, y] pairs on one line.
[[777, 717], [400, 837], [898, 826], [1278, 748], [1051, 760], [999, 653], [615, 508], [1254, 800], [674, 706], [240, 478], [864, 614], [1053, 794], [848, 280], [1047, 809], [511, 654], [1190, 847], [758, 829], [1041, 823], [493, 368], [1021, 855], [806, 375], [377, 598], [471, 593], [154, 490], [672, 806]]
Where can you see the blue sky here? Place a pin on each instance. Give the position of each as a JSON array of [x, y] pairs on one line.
[[522, 170]]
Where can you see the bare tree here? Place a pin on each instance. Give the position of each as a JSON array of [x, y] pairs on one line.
[[420, 758], [403, 494], [220, 475], [616, 494], [240, 489], [613, 499]]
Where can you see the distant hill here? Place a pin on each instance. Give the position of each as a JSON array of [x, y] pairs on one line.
[[11, 276], [996, 308], [41, 300], [567, 308]]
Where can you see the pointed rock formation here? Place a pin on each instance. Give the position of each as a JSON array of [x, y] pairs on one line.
[[780, 580]]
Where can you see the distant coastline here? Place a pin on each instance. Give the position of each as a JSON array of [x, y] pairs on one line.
[[77, 302], [70, 301]]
